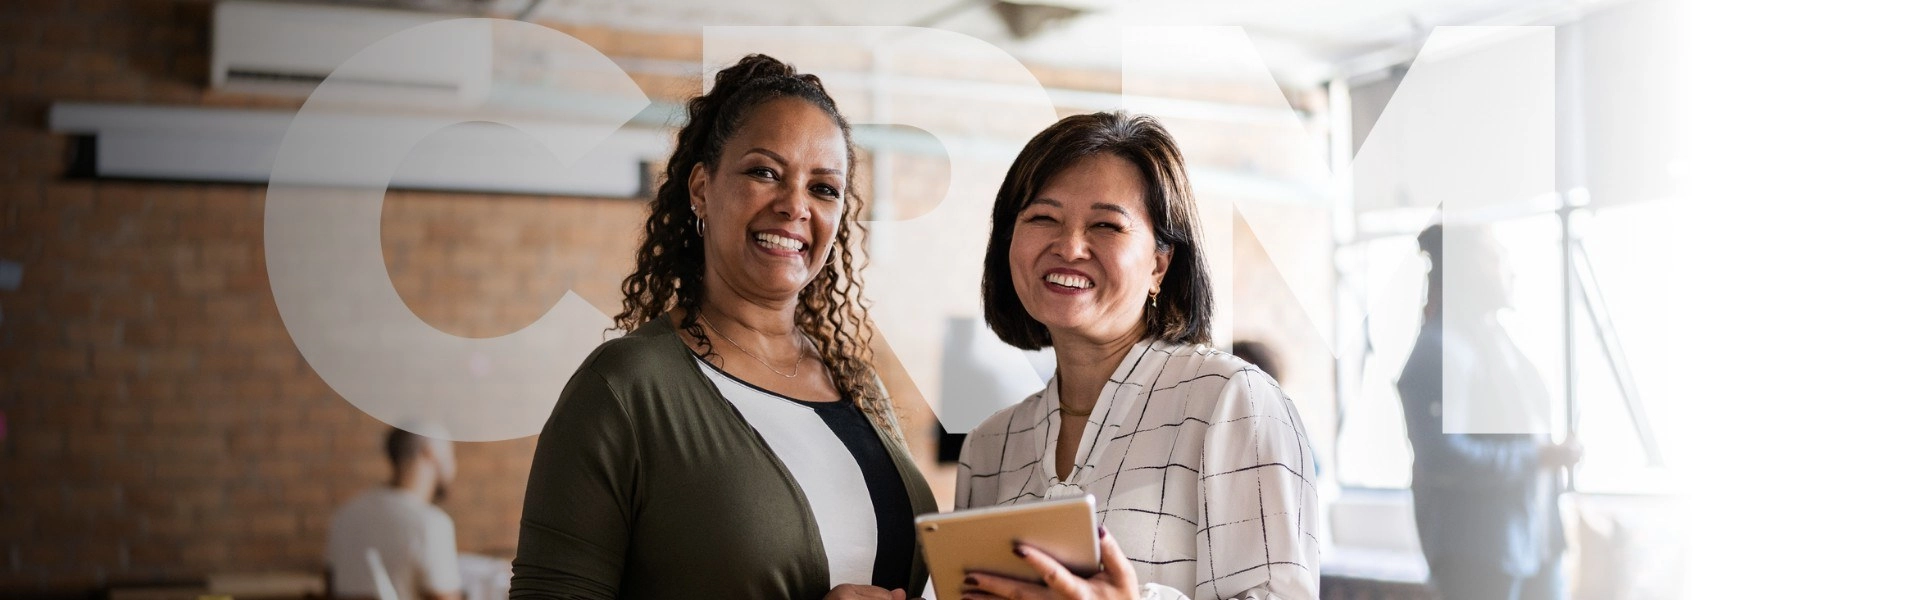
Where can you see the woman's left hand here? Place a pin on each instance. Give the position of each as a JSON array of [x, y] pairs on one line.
[[1115, 580]]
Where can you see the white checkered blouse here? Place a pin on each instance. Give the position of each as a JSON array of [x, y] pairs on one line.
[[1199, 464]]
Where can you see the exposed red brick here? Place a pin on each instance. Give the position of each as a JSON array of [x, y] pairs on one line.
[[152, 389]]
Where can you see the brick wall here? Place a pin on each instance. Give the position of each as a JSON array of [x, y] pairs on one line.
[[159, 423]]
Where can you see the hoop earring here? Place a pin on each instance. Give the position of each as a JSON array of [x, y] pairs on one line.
[[700, 226]]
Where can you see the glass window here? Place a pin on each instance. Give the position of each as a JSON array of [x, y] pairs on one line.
[[1624, 245]]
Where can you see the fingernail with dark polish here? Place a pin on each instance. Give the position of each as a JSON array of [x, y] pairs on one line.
[[1019, 551], [1103, 532], [971, 581]]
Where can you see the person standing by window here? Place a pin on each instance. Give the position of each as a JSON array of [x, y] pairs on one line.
[[1486, 504]]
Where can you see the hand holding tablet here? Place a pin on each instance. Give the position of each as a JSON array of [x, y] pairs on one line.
[[1040, 550]]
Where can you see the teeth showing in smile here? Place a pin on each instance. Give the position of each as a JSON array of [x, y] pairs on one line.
[[1072, 281], [774, 241]]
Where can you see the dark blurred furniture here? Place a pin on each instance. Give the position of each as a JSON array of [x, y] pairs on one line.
[[285, 585]]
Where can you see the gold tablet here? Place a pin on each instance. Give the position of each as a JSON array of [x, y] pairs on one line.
[[982, 540]]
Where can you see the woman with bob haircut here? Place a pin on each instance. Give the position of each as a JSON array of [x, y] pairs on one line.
[[736, 442], [1197, 461]]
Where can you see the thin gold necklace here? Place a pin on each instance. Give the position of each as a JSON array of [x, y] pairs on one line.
[[1063, 410], [750, 354]]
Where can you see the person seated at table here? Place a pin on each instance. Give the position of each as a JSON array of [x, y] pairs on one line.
[[399, 519]]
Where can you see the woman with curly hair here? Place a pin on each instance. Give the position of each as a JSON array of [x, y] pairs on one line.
[[736, 442]]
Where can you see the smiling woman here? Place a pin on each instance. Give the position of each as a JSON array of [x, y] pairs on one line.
[[768, 465], [1197, 460], [1128, 170]]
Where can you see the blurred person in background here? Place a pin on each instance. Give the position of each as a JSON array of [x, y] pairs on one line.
[[414, 537], [736, 442], [1196, 459], [1486, 504]]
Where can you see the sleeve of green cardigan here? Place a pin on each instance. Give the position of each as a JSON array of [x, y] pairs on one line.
[[576, 524]]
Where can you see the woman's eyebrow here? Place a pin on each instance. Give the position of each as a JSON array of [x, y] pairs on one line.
[[1106, 206], [782, 160]]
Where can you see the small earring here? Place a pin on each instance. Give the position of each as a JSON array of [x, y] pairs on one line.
[[700, 225], [1153, 300]]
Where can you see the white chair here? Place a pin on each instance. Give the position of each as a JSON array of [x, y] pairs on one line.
[[382, 584]]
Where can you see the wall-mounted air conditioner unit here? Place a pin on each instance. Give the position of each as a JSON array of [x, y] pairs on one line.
[[466, 105], [186, 143], [282, 48]]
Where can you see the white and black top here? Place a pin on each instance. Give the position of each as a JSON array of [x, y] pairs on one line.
[[851, 485], [1199, 464]]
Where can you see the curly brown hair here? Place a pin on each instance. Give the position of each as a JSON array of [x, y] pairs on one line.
[[670, 265]]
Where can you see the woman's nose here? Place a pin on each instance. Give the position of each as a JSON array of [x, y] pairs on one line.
[[1071, 246], [792, 203]]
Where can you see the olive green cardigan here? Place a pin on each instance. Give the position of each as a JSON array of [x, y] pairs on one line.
[[647, 483]]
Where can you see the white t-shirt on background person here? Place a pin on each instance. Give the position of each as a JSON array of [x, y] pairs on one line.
[[415, 540]]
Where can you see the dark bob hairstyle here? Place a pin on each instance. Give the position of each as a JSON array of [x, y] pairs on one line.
[[1185, 303]]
